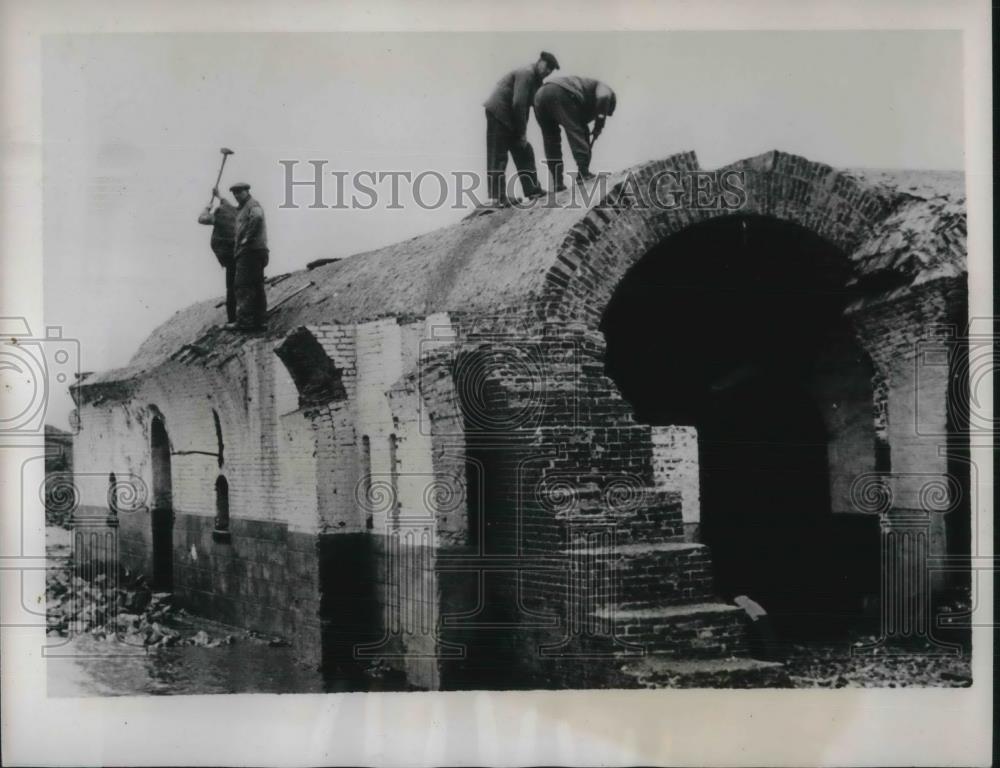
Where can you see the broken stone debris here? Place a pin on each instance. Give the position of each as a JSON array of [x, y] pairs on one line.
[[133, 614]]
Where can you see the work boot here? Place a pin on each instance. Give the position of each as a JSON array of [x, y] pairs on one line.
[[532, 189], [584, 175], [556, 171]]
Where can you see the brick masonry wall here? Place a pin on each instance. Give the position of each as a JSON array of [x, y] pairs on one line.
[[520, 392], [379, 364], [610, 238], [841, 386], [561, 456], [599, 249], [675, 467], [266, 576], [338, 463], [913, 338]]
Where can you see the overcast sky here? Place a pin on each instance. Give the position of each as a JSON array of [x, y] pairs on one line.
[[133, 125]]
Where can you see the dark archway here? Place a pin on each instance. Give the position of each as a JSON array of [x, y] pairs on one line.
[[162, 512], [735, 326], [221, 504]]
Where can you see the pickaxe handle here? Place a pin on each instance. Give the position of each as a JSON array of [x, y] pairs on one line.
[[225, 156]]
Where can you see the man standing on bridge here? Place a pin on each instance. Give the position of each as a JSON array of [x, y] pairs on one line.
[[251, 256], [506, 128], [223, 223], [573, 103]]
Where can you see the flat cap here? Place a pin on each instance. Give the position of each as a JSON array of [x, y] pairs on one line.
[[239, 185], [546, 56]]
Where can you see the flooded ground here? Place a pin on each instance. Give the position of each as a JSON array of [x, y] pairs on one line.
[[168, 651], [94, 667], [177, 654], [127, 641]]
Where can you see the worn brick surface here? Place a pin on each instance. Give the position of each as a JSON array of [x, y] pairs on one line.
[[459, 391]]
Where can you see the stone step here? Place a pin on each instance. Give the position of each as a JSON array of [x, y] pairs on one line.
[[692, 631], [639, 514], [650, 575], [659, 672]]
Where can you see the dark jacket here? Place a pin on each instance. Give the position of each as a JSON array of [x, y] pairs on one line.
[[512, 98], [251, 232], [596, 98], [223, 221]]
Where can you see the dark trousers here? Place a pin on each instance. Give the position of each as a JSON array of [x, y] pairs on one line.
[[231, 291], [499, 141], [556, 107], [224, 253], [251, 301]]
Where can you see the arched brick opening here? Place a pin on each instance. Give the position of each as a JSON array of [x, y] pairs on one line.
[[162, 513], [639, 212], [734, 328], [816, 217], [316, 376]]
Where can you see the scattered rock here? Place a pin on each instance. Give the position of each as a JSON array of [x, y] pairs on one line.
[[131, 610], [840, 665]]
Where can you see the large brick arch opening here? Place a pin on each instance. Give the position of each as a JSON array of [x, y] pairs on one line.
[[747, 339], [734, 327]]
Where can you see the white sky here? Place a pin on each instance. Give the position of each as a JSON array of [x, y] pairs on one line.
[[133, 126]]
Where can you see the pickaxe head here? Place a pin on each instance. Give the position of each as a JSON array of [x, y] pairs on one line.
[[227, 151]]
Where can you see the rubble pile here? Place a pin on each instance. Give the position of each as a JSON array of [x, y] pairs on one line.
[[132, 614], [827, 665]]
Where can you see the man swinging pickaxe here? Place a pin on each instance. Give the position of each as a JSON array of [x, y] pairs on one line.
[[223, 222]]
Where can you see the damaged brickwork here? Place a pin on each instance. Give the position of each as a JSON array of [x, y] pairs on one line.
[[426, 459]]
